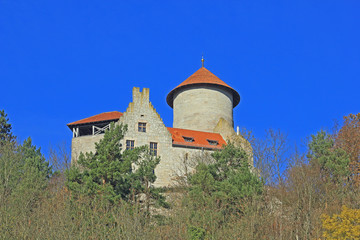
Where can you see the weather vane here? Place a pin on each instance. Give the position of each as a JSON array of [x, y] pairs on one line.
[[202, 60]]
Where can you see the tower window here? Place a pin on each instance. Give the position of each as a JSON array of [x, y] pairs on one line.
[[130, 144], [188, 139], [153, 148], [212, 142], [142, 127]]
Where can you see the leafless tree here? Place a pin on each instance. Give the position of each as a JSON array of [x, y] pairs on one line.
[[59, 157], [270, 156]]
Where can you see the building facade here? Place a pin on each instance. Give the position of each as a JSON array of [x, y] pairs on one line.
[[203, 122]]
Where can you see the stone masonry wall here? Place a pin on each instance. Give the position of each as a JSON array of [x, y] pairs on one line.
[[141, 110], [83, 144], [200, 107], [184, 161], [172, 158]]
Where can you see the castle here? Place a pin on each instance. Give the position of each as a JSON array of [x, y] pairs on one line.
[[203, 122]]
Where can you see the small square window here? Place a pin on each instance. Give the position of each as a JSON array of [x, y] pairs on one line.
[[141, 127], [153, 148], [213, 142], [130, 144]]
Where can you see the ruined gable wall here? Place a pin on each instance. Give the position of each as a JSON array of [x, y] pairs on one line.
[[185, 160], [225, 129]]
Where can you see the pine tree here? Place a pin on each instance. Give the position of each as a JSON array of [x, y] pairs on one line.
[[333, 161], [24, 173], [114, 174], [5, 128], [225, 182], [34, 159], [34, 174]]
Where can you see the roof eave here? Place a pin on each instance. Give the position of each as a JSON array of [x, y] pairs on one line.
[[196, 147], [79, 124], [170, 99]]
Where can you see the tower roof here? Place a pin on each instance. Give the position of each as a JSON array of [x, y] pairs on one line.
[[203, 77]]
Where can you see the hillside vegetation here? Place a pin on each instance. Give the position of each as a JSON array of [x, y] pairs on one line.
[[288, 194]]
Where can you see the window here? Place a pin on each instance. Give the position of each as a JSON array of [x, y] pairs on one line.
[[212, 142], [188, 139], [130, 144], [141, 127], [153, 148]]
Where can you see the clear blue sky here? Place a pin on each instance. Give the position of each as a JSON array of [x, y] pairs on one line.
[[296, 64]]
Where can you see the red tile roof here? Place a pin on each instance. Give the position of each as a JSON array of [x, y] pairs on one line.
[[203, 76], [106, 116], [200, 138]]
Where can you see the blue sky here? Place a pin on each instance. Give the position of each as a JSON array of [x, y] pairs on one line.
[[296, 64]]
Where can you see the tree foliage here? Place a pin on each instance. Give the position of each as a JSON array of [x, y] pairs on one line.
[[345, 225], [224, 198], [24, 177], [225, 181], [33, 159], [333, 161], [23, 168], [114, 174], [35, 173], [104, 171], [348, 138], [10, 173], [5, 128]]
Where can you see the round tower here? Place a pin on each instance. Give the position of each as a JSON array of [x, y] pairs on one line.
[[201, 100]]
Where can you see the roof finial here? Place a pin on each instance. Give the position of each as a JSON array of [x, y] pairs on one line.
[[202, 60]]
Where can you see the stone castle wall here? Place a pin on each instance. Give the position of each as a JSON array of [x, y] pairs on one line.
[[200, 108], [185, 160], [83, 144], [173, 158], [141, 110], [171, 161]]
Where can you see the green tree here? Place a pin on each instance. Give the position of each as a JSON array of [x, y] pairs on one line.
[[225, 182], [24, 177], [333, 161], [24, 171], [106, 171], [34, 174], [229, 175], [114, 174], [35, 170], [5, 128], [34, 159], [142, 178], [10, 163]]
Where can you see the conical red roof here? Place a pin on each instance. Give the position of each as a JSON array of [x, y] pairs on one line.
[[203, 77]]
